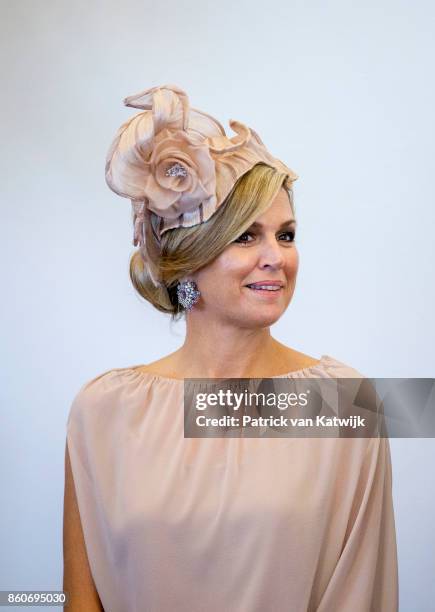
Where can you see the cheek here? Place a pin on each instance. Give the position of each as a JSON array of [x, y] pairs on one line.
[[292, 262], [221, 280], [228, 268], [295, 259]]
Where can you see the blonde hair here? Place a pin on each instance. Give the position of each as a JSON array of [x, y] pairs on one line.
[[187, 249]]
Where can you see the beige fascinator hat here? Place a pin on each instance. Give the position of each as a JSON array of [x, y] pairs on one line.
[[177, 165]]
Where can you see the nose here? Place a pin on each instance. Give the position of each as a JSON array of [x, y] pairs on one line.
[[271, 255]]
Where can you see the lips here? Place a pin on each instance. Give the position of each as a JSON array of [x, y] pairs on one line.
[[266, 283], [266, 290]]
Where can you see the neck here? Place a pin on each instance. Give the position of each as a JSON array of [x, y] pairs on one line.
[[217, 350]]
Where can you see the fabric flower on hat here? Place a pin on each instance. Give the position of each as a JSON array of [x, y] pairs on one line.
[[180, 174], [147, 148]]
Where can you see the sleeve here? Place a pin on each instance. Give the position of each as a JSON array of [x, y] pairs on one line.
[[76, 433], [83, 435], [365, 578], [81, 415]]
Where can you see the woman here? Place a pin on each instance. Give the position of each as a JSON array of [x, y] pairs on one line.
[[158, 522]]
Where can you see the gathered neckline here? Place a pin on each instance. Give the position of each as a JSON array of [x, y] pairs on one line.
[[151, 375]]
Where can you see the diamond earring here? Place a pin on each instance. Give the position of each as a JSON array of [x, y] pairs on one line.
[[188, 294]]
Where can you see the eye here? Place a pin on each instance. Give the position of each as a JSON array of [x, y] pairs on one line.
[[240, 238], [290, 237]]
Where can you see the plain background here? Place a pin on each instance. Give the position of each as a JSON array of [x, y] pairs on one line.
[[342, 91]]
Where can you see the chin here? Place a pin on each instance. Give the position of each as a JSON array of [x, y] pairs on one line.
[[261, 319]]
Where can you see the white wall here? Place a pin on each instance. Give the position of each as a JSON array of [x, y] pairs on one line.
[[342, 91]]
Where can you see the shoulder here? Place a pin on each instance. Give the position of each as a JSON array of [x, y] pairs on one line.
[[167, 366], [102, 391], [289, 359], [99, 383], [299, 361], [340, 369]]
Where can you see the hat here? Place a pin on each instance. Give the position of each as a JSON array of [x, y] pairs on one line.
[[176, 164]]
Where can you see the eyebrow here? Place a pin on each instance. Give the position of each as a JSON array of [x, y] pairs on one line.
[[287, 223]]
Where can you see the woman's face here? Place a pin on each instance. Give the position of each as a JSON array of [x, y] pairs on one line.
[[264, 252]]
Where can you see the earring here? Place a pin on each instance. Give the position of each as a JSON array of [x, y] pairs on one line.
[[188, 294]]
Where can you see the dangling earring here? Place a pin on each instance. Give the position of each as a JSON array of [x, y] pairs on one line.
[[188, 294]]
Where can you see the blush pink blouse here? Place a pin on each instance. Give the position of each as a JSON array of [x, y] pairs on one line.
[[174, 524]]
